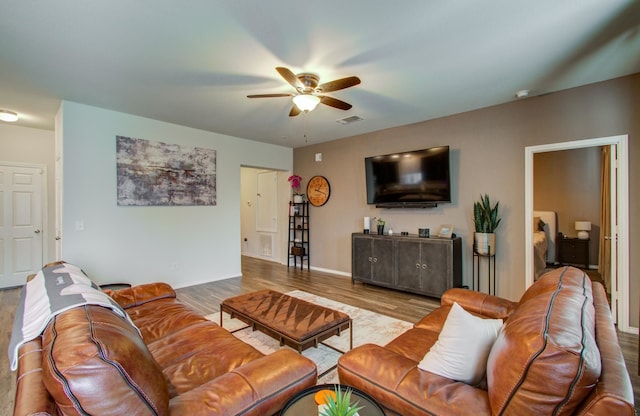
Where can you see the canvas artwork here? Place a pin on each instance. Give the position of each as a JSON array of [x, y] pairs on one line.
[[154, 173]]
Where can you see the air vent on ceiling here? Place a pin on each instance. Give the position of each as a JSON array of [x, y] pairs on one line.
[[348, 120]]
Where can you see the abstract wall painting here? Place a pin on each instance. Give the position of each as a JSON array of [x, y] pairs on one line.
[[160, 174]]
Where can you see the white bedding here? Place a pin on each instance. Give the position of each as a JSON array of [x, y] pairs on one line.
[[544, 241], [550, 220], [540, 248]]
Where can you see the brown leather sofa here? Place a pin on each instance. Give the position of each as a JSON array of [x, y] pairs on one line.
[[557, 353], [91, 361]]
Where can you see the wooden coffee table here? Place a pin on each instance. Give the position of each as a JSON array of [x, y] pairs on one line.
[[293, 321]]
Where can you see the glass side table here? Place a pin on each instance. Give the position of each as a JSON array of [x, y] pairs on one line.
[[304, 404]]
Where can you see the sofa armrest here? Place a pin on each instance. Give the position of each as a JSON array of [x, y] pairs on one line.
[[613, 394], [397, 383], [482, 304], [32, 398], [260, 387], [141, 294]]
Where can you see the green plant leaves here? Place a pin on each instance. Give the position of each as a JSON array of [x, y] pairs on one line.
[[485, 217], [341, 406]]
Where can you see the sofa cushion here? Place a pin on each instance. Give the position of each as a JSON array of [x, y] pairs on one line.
[[396, 382], [259, 388], [551, 332], [199, 353], [163, 317], [462, 348], [413, 343], [95, 362]]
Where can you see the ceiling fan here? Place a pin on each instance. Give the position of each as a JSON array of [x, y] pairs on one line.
[[309, 93]]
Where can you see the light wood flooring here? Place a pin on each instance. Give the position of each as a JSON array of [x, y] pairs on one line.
[[260, 274]]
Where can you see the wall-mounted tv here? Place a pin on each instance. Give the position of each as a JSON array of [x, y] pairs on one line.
[[420, 178]]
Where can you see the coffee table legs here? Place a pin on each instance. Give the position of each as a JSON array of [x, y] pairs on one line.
[[281, 337]]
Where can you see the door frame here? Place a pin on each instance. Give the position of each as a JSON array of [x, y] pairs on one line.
[[280, 235], [621, 142], [44, 208]]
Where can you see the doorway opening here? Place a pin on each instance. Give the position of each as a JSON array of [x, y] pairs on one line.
[[620, 256], [262, 207]]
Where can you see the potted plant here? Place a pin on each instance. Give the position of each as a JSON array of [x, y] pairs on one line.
[[380, 223], [486, 220], [295, 181], [336, 402]]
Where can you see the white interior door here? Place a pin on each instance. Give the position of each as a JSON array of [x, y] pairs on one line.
[[21, 223], [58, 200], [613, 186], [267, 209]]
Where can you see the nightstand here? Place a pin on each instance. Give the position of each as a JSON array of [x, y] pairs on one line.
[[574, 251]]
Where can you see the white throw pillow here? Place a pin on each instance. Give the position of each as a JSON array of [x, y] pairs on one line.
[[463, 347]]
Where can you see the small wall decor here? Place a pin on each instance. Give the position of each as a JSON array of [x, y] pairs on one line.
[[446, 231], [160, 174]]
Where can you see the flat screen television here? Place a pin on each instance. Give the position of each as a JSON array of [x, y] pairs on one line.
[[410, 179]]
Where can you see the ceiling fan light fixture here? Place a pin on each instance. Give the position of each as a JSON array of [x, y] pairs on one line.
[[8, 116], [306, 102]]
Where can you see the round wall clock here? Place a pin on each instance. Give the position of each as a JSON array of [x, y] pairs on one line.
[[318, 191]]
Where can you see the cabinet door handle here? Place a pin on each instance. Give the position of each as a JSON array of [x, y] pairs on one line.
[[417, 265], [375, 259], [424, 266], [370, 259]]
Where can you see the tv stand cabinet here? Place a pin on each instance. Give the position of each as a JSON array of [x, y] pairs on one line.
[[426, 266]]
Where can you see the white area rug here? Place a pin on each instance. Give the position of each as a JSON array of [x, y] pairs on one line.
[[368, 328]]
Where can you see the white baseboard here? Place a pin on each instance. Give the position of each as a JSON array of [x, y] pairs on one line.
[[338, 272], [255, 256], [320, 269]]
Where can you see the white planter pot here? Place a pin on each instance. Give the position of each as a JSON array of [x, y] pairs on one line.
[[297, 199], [485, 243]]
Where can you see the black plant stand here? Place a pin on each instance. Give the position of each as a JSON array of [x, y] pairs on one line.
[[298, 245], [491, 260]]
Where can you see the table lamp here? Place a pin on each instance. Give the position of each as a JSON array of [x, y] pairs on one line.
[[583, 228]]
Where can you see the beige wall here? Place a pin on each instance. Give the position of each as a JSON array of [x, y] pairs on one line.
[[488, 149], [568, 182]]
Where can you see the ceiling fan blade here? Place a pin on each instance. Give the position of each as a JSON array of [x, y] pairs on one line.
[[338, 84], [294, 111], [334, 102], [290, 77], [268, 95]]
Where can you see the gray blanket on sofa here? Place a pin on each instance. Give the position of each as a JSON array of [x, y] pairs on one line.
[[52, 291]]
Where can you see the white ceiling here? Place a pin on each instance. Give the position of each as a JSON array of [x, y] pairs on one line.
[[193, 63]]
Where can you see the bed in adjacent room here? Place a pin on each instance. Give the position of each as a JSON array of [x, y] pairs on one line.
[[544, 240]]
